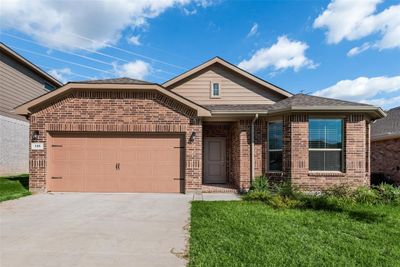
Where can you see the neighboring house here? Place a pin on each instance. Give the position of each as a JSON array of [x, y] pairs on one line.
[[20, 81], [214, 124], [385, 146]]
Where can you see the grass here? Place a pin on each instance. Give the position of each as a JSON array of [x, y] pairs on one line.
[[241, 233], [12, 187]]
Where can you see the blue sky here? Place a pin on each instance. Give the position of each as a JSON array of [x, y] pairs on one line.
[[342, 49]]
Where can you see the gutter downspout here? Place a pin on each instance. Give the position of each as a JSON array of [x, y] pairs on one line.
[[252, 171]]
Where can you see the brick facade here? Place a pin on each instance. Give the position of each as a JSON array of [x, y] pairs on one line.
[[295, 153], [385, 158], [241, 152], [152, 112], [355, 153], [116, 111]]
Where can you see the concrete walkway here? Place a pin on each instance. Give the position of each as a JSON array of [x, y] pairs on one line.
[[84, 229]]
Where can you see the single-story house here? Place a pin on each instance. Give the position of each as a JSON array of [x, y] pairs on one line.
[[20, 81], [385, 146], [214, 124]]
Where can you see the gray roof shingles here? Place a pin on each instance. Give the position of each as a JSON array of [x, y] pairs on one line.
[[390, 125], [314, 101], [293, 101]]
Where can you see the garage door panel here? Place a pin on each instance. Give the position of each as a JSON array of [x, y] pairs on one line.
[[76, 154], [128, 155], [58, 154], [78, 169], [147, 163], [93, 154], [93, 142]]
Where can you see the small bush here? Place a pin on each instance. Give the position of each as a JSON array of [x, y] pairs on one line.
[[285, 189], [388, 194], [260, 183], [365, 195], [322, 202], [341, 191], [263, 196], [277, 202]]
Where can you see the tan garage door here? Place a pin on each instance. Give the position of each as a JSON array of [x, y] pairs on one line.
[[110, 163]]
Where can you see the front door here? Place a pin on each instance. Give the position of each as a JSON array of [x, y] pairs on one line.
[[214, 160]]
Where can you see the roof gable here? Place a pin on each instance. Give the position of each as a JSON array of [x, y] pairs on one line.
[[238, 71], [25, 108]]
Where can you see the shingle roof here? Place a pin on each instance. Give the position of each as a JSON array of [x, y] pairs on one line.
[[300, 103], [302, 100], [123, 80], [250, 107], [388, 126]]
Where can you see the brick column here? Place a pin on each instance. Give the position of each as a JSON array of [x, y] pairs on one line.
[[356, 150], [241, 152], [194, 157], [296, 148]]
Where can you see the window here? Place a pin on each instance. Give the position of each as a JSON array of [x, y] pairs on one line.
[[325, 144], [48, 86], [275, 143], [215, 90]]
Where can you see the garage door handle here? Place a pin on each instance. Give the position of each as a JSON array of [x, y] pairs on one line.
[[117, 166], [178, 178], [56, 177]]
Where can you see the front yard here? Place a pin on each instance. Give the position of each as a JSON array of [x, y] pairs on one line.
[[12, 187], [240, 233]]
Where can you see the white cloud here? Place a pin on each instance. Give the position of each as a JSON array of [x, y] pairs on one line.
[[61, 23], [253, 30], [61, 74], [358, 49], [353, 20], [136, 69], [364, 89], [135, 40], [188, 12], [283, 54], [386, 103]]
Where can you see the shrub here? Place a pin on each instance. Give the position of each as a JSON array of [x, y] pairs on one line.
[[260, 183], [321, 202], [388, 194], [340, 191], [277, 202], [286, 189], [365, 195], [263, 196]]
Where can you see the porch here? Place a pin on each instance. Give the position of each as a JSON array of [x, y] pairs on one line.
[[225, 153]]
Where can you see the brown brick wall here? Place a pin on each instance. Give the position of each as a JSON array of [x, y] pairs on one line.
[[241, 152], [385, 158], [355, 153], [117, 111]]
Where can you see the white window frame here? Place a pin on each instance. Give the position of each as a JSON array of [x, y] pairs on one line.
[[212, 90], [328, 149], [273, 150]]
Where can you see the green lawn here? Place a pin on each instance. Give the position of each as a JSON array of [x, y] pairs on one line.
[[240, 233], [12, 187]]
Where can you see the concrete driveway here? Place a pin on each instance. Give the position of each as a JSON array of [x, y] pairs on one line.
[[83, 229]]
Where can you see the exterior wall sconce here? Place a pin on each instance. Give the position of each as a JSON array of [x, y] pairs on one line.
[[35, 136], [192, 136]]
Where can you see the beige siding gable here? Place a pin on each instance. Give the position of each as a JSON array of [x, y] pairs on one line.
[[234, 89]]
